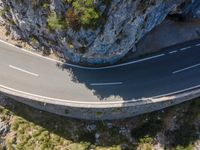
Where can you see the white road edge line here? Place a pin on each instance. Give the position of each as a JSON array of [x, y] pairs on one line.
[[129, 63], [84, 102], [30, 52], [197, 45], [187, 68], [82, 67], [173, 52], [176, 92], [104, 84], [22, 70]]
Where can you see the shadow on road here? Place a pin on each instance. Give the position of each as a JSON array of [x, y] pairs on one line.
[[96, 80], [125, 83]]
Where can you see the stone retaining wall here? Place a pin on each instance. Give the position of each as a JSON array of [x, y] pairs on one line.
[[101, 111]]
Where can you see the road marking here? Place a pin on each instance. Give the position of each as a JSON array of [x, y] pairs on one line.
[[173, 52], [187, 68], [31, 52], [125, 64], [104, 84], [66, 102], [22, 70], [177, 92], [83, 67], [93, 68], [197, 45], [185, 48]]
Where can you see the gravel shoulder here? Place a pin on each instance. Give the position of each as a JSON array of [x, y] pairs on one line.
[[168, 33]]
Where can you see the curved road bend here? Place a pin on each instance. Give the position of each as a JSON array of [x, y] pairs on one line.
[[174, 69]]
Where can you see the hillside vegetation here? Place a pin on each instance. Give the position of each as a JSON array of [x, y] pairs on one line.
[[81, 13], [175, 128], [89, 31]]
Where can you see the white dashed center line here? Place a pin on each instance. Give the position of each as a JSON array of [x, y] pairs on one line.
[[22, 70]]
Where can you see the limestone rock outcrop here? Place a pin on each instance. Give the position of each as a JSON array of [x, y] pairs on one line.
[[121, 25]]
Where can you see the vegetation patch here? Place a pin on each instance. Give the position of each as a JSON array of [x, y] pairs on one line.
[[55, 22], [80, 13], [34, 129]]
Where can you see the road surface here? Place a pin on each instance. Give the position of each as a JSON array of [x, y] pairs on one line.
[[171, 70]]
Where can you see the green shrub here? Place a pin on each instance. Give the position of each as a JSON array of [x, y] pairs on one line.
[[80, 13], [45, 6], [55, 23], [84, 11], [4, 11]]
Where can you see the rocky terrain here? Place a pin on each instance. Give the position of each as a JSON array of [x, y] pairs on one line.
[[90, 31], [25, 128]]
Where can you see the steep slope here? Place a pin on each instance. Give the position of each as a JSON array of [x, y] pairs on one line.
[[91, 31]]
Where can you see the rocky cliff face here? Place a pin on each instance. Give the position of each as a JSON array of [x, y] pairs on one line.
[[112, 31]]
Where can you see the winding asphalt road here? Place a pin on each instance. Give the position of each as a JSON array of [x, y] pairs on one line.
[[171, 70]]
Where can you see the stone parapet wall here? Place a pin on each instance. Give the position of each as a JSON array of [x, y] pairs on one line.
[[101, 111]]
